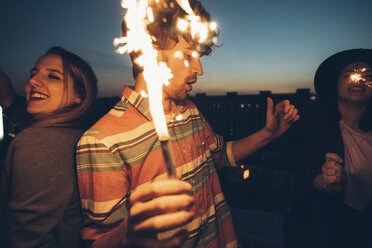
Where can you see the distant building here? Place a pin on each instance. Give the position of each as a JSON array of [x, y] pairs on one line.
[[235, 116]]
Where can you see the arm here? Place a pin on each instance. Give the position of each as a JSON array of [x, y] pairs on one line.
[[7, 94], [278, 122], [333, 176]]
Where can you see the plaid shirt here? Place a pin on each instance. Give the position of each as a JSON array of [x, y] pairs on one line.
[[122, 152]]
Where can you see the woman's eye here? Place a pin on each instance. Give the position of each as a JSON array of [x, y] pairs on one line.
[[51, 76]]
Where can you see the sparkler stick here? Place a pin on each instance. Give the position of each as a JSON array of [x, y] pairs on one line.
[[138, 16], [168, 157]]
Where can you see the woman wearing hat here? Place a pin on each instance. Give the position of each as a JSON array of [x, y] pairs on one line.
[[337, 149]]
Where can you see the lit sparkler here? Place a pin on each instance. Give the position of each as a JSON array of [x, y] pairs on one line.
[[156, 74], [359, 77]]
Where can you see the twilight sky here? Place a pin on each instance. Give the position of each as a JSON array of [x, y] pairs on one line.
[[266, 45]]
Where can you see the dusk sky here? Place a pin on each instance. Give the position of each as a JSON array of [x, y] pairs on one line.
[[266, 45]]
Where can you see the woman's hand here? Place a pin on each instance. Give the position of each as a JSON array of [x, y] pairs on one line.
[[333, 174]]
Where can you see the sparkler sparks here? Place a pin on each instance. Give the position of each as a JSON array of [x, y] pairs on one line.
[[246, 174], [359, 77], [140, 15]]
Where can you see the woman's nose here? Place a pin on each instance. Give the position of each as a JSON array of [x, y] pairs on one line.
[[35, 82]]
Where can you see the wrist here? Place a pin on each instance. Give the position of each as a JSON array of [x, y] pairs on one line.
[[269, 133]]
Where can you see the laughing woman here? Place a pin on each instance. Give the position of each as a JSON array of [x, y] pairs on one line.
[[42, 206]]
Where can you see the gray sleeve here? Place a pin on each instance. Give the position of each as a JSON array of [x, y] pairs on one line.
[[41, 180]]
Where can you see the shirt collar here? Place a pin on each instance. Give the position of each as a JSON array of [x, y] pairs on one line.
[[142, 104], [137, 101]]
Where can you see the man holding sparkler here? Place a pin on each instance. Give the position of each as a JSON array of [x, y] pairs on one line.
[[127, 197]]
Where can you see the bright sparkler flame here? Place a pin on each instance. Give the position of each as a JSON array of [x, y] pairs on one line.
[[186, 63], [197, 26], [182, 25], [213, 26], [246, 174], [144, 94], [358, 77], [150, 15], [185, 5], [178, 55], [138, 16]]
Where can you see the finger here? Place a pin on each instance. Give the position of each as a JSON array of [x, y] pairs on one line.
[[289, 112], [164, 222], [334, 165], [293, 116], [283, 106], [334, 157], [179, 175], [270, 106], [296, 118], [176, 240], [333, 179], [330, 179], [160, 205], [333, 172], [329, 165], [330, 172], [164, 187]]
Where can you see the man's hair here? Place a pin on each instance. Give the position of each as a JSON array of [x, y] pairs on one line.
[[164, 29], [85, 85]]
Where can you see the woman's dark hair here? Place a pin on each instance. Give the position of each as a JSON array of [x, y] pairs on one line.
[[85, 85], [326, 83]]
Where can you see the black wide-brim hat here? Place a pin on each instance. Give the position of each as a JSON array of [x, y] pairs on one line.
[[327, 74]]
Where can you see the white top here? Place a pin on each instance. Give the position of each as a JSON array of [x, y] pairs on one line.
[[358, 167]]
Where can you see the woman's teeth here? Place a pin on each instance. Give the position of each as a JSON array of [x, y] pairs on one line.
[[38, 95]]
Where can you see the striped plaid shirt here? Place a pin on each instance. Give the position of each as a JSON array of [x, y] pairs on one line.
[[122, 152]]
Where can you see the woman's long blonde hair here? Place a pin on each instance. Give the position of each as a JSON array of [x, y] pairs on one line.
[[85, 85]]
